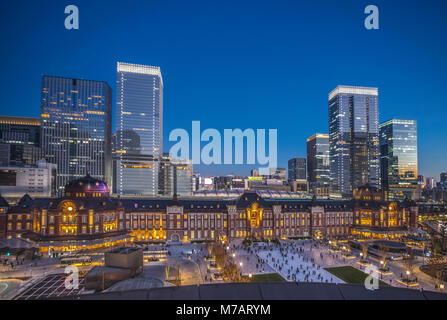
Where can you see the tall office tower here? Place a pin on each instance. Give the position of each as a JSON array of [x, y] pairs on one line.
[[139, 129], [318, 168], [430, 183], [175, 177], [353, 139], [20, 141], [443, 178], [76, 126], [399, 158], [297, 169]]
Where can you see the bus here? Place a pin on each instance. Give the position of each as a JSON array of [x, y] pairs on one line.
[[77, 261]]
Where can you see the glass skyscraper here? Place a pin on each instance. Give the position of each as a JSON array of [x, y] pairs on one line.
[[76, 123], [139, 129], [318, 163], [399, 158], [353, 139]]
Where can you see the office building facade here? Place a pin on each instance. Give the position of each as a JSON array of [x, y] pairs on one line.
[[139, 129], [20, 141], [76, 123], [399, 158], [297, 169], [318, 168], [353, 139], [443, 178], [36, 181], [175, 177]]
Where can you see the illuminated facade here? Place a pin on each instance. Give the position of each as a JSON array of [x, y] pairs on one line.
[[353, 139], [76, 128], [139, 127], [88, 217], [399, 158], [375, 218]]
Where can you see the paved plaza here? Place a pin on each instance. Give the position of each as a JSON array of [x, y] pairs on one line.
[[294, 260], [305, 261]]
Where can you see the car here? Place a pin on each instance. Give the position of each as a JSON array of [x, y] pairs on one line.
[[217, 276], [397, 258]]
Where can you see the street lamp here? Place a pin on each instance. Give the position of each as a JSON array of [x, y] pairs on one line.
[[240, 263], [250, 275], [233, 255]]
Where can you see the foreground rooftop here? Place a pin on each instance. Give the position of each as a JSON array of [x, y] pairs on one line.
[[267, 291]]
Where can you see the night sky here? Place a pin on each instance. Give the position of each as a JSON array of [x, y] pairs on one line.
[[242, 64]]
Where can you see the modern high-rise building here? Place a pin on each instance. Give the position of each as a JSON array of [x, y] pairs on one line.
[[175, 177], [76, 123], [297, 169], [353, 139], [430, 183], [139, 129], [20, 141], [399, 158], [318, 168], [443, 177]]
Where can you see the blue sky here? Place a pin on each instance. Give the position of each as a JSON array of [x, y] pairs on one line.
[[242, 64]]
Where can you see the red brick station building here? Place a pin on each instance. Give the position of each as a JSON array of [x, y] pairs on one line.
[[87, 217]]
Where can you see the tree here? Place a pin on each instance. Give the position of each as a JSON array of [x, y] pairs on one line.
[[409, 261], [435, 262], [434, 268], [230, 271], [364, 246], [383, 251]]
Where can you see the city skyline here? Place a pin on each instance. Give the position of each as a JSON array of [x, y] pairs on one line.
[[240, 173], [268, 150], [303, 90]]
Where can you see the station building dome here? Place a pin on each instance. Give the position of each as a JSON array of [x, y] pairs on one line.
[[87, 187]]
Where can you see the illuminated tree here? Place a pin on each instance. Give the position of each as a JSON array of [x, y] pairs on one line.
[[435, 263], [364, 247], [409, 262], [383, 251]]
